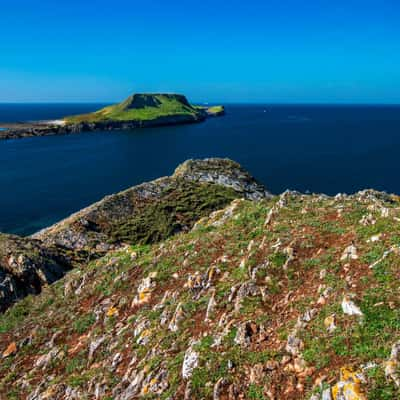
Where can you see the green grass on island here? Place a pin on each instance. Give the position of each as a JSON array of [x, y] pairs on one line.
[[216, 109], [142, 107]]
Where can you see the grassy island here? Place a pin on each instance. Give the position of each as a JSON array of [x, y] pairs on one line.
[[143, 107]]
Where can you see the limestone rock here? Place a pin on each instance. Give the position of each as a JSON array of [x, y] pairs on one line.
[[329, 323], [190, 361], [393, 364], [26, 265], [349, 386], [350, 308], [349, 253]]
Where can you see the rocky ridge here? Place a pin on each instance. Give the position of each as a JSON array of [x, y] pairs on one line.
[[143, 214]]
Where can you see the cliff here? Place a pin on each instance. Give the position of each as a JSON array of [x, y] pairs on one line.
[[287, 297]]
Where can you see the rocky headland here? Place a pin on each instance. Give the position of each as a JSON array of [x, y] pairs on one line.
[[203, 285], [143, 214], [137, 111]]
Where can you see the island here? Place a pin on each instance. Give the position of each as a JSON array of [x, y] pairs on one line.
[[139, 110]]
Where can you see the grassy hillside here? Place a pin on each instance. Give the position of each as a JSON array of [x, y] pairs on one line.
[[140, 107], [288, 298]]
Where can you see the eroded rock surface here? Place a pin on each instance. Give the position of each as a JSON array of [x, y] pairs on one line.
[[26, 266]]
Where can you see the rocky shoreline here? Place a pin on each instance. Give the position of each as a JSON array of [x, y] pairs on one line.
[[19, 130]]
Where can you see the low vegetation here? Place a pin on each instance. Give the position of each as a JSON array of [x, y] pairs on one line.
[[252, 303], [141, 107]]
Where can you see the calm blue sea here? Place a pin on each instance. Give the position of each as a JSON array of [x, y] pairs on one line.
[[326, 149]]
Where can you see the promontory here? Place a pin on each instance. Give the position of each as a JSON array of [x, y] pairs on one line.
[[137, 111]]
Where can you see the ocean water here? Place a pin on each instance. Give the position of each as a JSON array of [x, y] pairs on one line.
[[327, 149]]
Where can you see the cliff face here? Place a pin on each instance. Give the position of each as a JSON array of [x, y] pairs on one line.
[[142, 214], [26, 266]]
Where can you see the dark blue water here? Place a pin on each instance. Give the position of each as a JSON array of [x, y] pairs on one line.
[[317, 148]]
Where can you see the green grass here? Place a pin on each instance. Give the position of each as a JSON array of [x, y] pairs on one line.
[[318, 245], [179, 208], [216, 109], [140, 107]]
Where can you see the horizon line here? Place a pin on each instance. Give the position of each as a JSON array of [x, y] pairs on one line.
[[269, 103]]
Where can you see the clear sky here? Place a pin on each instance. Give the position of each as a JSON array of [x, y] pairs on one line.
[[229, 51]]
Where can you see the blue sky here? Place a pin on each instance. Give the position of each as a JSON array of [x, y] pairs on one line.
[[286, 51]]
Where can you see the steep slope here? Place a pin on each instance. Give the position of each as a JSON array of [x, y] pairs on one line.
[[155, 210], [294, 297], [145, 214]]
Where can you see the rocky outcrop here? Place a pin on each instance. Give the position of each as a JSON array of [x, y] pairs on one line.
[[223, 172], [155, 210], [145, 213], [22, 130], [26, 266]]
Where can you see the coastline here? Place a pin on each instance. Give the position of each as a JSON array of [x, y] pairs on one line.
[[20, 130]]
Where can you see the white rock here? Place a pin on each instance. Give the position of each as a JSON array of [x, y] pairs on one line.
[[350, 253], [176, 318], [393, 364], [94, 346], [211, 306], [190, 362], [350, 308], [326, 394], [374, 238]]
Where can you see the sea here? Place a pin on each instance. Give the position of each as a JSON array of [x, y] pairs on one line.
[[311, 148]]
